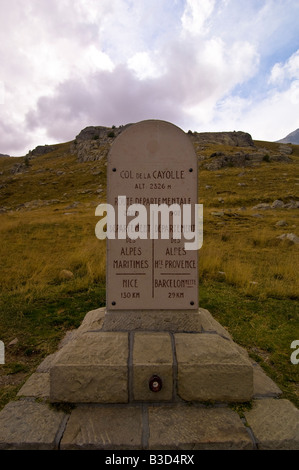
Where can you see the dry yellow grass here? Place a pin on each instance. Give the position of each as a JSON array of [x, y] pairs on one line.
[[37, 246]]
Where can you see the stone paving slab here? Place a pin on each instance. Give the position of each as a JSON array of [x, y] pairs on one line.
[[29, 425], [174, 427], [275, 424], [104, 428], [197, 428], [26, 425]]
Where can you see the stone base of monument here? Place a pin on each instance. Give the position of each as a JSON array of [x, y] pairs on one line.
[[117, 366], [105, 376], [173, 321]]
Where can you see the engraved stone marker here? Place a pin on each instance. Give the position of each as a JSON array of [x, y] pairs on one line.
[[152, 163], [154, 343]]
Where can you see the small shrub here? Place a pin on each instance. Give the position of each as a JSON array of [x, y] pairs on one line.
[[27, 161], [16, 367], [217, 154], [224, 237]]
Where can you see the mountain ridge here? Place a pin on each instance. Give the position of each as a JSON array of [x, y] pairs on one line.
[[292, 138], [101, 136]]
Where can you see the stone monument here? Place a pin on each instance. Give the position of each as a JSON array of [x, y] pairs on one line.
[[154, 344], [152, 281], [141, 370]]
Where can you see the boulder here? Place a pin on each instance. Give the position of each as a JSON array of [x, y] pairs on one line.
[[281, 223], [278, 204], [65, 275], [289, 236], [286, 149], [292, 205], [263, 206]]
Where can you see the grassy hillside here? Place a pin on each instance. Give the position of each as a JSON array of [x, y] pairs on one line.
[[248, 277]]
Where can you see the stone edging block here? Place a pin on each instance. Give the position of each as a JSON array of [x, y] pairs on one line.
[[92, 368], [26, 425], [275, 424], [211, 368]]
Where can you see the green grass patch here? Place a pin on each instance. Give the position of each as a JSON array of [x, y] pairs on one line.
[[39, 324], [266, 328]]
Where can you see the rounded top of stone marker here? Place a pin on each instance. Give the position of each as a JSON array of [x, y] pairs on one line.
[[152, 139]]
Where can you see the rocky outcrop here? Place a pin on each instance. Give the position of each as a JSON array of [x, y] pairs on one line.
[[277, 204], [238, 150], [235, 139], [94, 142], [289, 236], [218, 160], [285, 149], [41, 150], [19, 168]]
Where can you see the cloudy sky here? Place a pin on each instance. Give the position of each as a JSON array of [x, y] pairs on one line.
[[204, 65]]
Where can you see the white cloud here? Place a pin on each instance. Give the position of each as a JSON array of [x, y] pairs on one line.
[[271, 118], [188, 85], [2, 93], [146, 65], [220, 70], [68, 64], [275, 116], [285, 71], [195, 16]]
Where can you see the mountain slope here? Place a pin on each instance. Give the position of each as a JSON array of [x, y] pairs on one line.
[[292, 138]]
